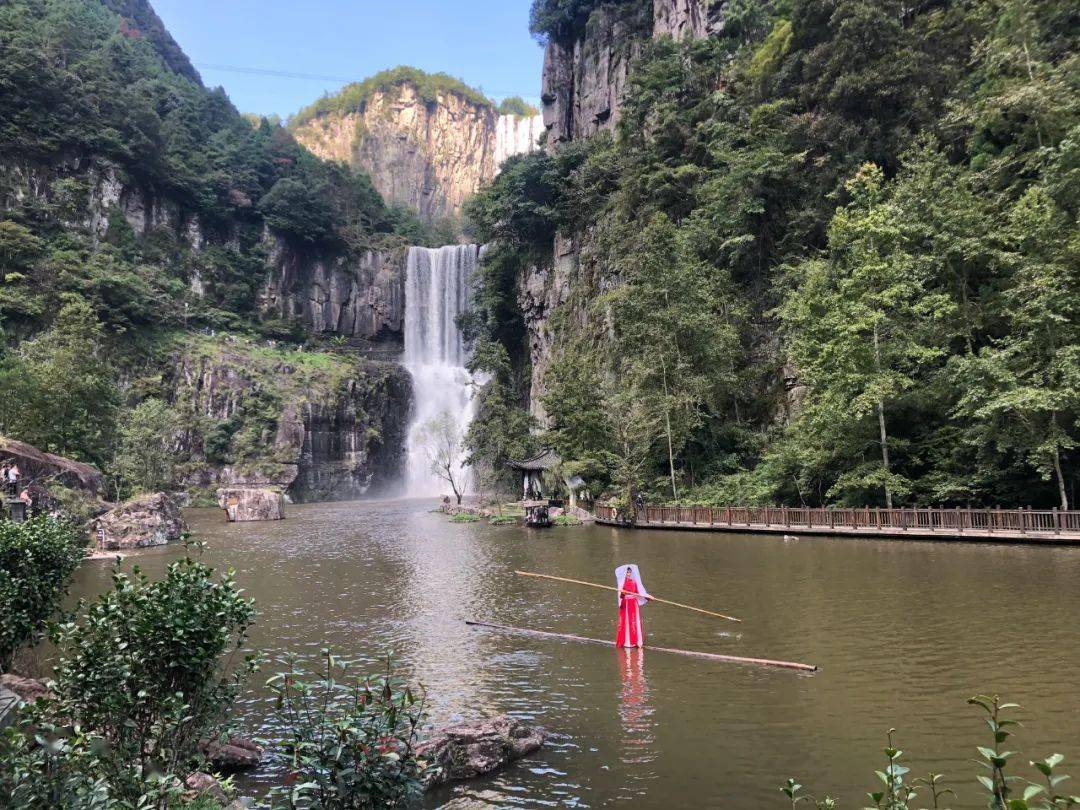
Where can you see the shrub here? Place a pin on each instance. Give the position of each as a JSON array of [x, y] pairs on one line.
[[142, 679], [897, 792], [351, 739], [145, 667], [37, 561]]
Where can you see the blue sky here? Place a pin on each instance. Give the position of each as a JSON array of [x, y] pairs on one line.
[[484, 42]]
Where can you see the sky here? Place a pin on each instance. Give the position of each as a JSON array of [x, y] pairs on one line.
[[233, 43]]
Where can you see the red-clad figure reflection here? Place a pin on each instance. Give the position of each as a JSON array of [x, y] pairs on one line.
[[635, 712]]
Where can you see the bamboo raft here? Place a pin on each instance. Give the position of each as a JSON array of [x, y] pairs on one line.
[[729, 659]]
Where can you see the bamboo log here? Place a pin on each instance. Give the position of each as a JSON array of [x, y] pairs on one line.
[[729, 659], [610, 588]]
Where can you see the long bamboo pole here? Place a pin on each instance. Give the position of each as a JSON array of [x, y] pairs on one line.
[[730, 659], [610, 588]]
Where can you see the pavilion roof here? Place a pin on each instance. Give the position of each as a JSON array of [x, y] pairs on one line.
[[544, 460]]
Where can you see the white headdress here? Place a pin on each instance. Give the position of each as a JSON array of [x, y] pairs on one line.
[[620, 577]]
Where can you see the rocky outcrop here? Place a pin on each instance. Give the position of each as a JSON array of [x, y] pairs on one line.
[[543, 289], [248, 505], [585, 75], [430, 155], [319, 427], [149, 520], [469, 750], [679, 19], [361, 297], [203, 786], [584, 80], [38, 466], [26, 689]]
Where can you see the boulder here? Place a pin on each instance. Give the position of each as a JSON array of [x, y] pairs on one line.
[[244, 505], [235, 754], [473, 749], [26, 689], [37, 465], [149, 520], [203, 785]]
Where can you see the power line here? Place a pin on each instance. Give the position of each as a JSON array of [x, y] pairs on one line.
[[286, 74]]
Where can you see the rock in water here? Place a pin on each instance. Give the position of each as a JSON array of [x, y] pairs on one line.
[[149, 520], [469, 750], [235, 754], [244, 505]]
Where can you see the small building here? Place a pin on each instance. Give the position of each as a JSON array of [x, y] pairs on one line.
[[532, 473]]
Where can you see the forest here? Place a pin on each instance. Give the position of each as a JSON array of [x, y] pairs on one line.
[[830, 256]]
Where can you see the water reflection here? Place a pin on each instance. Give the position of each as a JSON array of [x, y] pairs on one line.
[[635, 711]]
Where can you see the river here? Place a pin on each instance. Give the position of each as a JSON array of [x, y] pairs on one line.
[[903, 632]]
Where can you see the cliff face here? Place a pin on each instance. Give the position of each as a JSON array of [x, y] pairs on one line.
[[428, 155], [583, 86], [327, 294], [319, 428], [357, 298], [584, 78]]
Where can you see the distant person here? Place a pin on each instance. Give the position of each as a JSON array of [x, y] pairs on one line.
[[630, 632], [13, 476]]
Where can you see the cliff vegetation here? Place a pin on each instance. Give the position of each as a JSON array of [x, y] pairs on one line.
[[829, 256], [137, 208], [352, 97]]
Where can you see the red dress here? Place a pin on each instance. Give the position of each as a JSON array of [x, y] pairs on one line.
[[630, 633]]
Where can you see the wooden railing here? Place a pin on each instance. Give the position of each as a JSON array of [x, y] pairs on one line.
[[946, 521]]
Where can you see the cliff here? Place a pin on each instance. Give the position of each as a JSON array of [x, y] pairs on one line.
[[319, 426], [585, 74], [584, 81], [352, 296], [428, 149], [325, 292]]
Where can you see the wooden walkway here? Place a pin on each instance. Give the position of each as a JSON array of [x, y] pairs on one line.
[[1038, 526]]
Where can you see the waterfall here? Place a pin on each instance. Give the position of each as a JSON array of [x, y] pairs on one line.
[[437, 290]]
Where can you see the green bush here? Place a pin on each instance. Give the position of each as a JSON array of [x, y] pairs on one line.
[[351, 738], [145, 668], [37, 561], [146, 674]]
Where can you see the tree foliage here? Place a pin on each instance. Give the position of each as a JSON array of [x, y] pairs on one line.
[[828, 257], [37, 561]]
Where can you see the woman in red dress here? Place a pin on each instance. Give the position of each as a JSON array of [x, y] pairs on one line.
[[630, 632]]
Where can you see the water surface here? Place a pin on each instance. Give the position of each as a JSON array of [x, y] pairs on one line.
[[903, 632]]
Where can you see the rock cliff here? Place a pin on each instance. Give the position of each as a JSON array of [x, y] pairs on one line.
[[359, 297], [428, 154], [584, 81], [319, 427], [585, 75]]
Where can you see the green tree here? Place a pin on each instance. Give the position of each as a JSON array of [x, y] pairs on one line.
[[144, 459], [69, 397], [1024, 390], [862, 323]]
